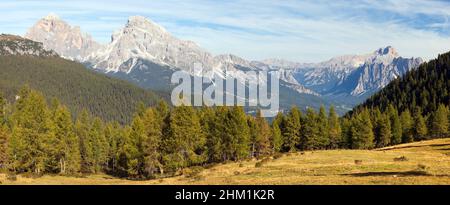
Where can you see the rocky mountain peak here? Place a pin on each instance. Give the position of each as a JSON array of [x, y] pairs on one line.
[[69, 42], [389, 50]]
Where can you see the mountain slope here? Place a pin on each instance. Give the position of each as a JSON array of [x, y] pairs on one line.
[[425, 87], [71, 82]]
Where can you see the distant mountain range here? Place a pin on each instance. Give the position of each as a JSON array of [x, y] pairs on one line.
[[146, 54]]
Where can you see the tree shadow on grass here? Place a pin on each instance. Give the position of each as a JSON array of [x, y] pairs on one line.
[[414, 146], [402, 174]]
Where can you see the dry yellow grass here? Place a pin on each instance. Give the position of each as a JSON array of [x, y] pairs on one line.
[[427, 162]]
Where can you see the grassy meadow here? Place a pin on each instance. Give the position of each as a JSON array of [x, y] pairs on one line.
[[426, 162]]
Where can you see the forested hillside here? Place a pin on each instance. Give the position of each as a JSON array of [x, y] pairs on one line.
[[74, 85], [425, 87]]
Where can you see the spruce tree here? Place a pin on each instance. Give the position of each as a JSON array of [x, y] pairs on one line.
[[135, 148], [291, 132]]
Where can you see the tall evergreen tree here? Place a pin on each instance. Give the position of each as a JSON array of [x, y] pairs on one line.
[[276, 137], [184, 146], [439, 122], [65, 145], [2, 109], [334, 130], [310, 131], [263, 147], [99, 145], [420, 126], [383, 134], [396, 126], [212, 121], [31, 132], [153, 134], [362, 136], [236, 135], [4, 137], [292, 128], [82, 130], [407, 126]]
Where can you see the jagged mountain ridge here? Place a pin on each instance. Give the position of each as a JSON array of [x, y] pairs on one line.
[[69, 42], [143, 48]]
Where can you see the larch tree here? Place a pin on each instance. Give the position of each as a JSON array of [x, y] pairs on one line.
[[334, 130], [291, 132], [439, 122], [31, 132], [420, 125], [185, 143], [65, 143], [82, 130], [407, 126], [277, 135], [362, 136], [153, 135]]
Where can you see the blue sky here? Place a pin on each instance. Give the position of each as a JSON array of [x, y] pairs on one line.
[[303, 31]]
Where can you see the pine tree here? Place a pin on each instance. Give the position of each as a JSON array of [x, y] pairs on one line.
[[439, 122], [276, 137], [291, 132], [362, 136], [407, 126], [334, 130]]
